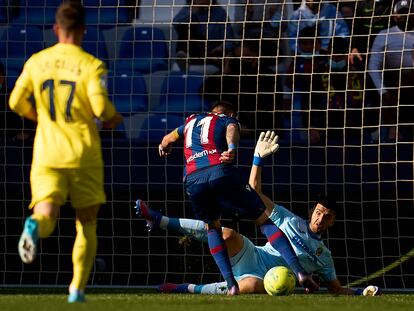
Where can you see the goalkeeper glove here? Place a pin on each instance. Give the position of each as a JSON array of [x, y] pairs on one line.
[[370, 290], [266, 144]]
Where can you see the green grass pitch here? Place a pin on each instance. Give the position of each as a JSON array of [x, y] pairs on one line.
[[135, 300]]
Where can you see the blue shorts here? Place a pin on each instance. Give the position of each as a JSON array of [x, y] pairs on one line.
[[221, 187], [253, 261]]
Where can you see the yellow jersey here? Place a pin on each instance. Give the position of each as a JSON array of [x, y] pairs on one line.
[[64, 81]]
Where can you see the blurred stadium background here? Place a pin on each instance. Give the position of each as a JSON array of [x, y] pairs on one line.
[[341, 149]]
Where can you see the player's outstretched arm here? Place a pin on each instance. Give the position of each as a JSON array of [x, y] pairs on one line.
[[266, 145], [334, 287], [371, 290], [164, 148]]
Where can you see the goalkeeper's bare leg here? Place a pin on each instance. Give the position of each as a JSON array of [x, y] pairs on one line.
[[248, 285], [196, 229], [234, 243]]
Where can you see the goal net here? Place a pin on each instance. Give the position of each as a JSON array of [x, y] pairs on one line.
[[345, 129]]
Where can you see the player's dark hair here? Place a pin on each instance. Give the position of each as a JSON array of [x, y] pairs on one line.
[[224, 104], [70, 15], [327, 201]]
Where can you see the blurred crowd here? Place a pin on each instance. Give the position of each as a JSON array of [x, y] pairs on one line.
[[315, 63], [318, 71]]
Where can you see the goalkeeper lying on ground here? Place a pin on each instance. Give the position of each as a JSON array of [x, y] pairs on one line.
[[249, 262]]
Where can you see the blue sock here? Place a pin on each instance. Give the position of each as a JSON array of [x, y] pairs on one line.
[[280, 242], [181, 288], [219, 251], [173, 288]]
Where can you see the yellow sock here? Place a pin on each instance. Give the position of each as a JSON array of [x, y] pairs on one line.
[[83, 254], [46, 225]]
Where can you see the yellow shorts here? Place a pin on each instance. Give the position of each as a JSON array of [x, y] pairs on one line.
[[83, 186]]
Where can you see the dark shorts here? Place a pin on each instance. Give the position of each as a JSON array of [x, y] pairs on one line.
[[222, 187]]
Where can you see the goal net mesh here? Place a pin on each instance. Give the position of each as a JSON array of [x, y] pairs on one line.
[[345, 129]]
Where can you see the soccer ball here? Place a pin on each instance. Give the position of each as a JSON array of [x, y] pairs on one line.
[[279, 281]]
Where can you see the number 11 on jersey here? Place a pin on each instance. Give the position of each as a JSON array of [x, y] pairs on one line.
[[204, 123]]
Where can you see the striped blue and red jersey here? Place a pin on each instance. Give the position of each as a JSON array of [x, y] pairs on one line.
[[204, 139]]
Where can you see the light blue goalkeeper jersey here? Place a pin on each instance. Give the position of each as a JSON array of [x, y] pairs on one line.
[[313, 255]]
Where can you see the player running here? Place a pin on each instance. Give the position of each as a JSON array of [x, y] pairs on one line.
[[213, 183], [249, 262], [69, 89]]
